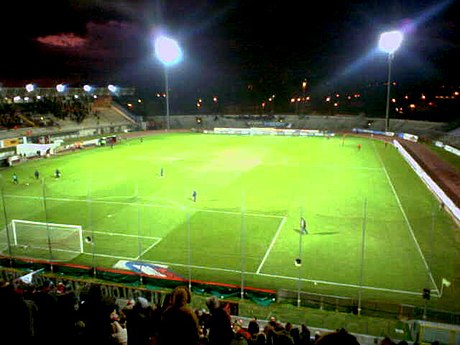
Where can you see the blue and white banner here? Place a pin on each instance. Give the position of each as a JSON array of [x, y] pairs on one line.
[[154, 270]]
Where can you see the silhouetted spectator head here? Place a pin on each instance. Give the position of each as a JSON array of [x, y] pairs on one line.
[[253, 327], [386, 341], [181, 296], [341, 337], [261, 339], [212, 303], [142, 302]]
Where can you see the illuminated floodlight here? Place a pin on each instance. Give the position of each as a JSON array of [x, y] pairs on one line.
[[167, 50], [112, 88], [390, 41], [30, 87], [87, 88], [60, 87], [16, 99]]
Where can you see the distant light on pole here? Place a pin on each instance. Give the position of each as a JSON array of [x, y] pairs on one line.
[[112, 88], [169, 53], [30, 87], [389, 42], [60, 88]]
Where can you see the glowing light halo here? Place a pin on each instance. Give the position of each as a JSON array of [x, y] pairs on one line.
[[390, 41], [167, 50]]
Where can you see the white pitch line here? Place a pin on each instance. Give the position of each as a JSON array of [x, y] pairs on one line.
[[409, 226], [264, 274], [272, 243], [342, 284], [143, 204], [148, 248], [123, 235]]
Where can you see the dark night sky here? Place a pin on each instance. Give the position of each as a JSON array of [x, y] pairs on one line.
[[272, 45]]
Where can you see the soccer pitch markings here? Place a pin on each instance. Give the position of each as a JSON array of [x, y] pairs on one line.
[[283, 219], [156, 240], [258, 272], [275, 231], [409, 226]]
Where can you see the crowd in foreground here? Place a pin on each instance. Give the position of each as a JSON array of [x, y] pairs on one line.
[[51, 315]]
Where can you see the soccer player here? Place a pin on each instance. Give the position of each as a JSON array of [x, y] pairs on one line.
[[57, 173], [161, 172], [303, 226], [15, 178], [359, 147], [194, 196], [37, 174]]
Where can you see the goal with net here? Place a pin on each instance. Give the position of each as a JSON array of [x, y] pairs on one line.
[[50, 241]]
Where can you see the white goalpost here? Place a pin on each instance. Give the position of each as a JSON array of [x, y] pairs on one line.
[[39, 239]]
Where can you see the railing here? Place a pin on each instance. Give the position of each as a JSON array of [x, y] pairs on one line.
[[368, 308]]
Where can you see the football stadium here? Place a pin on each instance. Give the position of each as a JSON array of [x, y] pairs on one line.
[[230, 173], [327, 219]]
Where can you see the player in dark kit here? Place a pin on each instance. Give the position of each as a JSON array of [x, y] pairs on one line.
[[15, 178], [36, 174], [303, 226], [57, 173], [194, 196]]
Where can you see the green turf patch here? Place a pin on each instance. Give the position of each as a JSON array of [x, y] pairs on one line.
[[372, 224]]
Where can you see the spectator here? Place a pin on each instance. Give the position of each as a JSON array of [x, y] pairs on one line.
[[238, 330], [157, 315], [253, 328], [47, 316], [283, 335], [95, 314], [341, 337], [119, 331], [387, 341], [179, 324], [261, 339], [220, 327], [304, 335], [239, 339], [139, 321], [14, 315], [270, 334]]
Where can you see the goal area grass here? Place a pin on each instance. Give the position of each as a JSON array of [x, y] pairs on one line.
[[372, 225]]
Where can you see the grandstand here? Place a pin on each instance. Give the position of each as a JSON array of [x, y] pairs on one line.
[[105, 117]]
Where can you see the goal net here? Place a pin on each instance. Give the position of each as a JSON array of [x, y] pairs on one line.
[[49, 241]]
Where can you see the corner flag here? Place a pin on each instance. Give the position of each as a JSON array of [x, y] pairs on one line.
[[445, 282], [28, 277]]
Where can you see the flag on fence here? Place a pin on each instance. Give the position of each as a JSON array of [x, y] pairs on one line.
[[445, 282], [27, 278]]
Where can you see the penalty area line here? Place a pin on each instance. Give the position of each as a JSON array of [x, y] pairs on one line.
[[272, 243]]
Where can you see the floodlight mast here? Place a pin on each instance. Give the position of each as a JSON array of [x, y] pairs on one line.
[[169, 53], [389, 42]]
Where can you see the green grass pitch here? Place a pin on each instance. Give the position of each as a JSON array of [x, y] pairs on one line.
[[251, 193]]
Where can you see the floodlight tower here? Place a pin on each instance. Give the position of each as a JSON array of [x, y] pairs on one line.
[[169, 53], [389, 42]]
